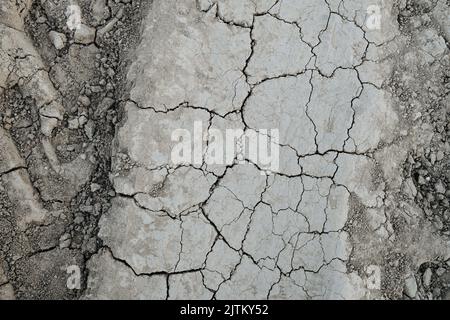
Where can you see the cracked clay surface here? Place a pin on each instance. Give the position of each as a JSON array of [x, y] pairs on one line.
[[357, 208]]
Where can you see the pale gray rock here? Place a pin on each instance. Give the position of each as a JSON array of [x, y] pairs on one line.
[[84, 34], [410, 288], [58, 39], [426, 278], [7, 292]]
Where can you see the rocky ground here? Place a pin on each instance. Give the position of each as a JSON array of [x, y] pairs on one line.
[[92, 205]]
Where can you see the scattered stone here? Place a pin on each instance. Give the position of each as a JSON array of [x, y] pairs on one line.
[[432, 158], [439, 187], [73, 124], [87, 209], [53, 110], [110, 25], [41, 19], [89, 129], [58, 39], [427, 277], [410, 287], [410, 187], [99, 10], [84, 34], [64, 241], [440, 271], [111, 72], [23, 123], [421, 180], [104, 106], [95, 187], [96, 89], [47, 125], [84, 100], [79, 219], [82, 120]]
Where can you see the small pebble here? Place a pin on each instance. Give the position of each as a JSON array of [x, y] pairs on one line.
[[427, 277], [410, 287], [58, 39]]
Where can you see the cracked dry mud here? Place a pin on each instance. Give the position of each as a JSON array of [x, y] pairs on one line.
[[86, 177]]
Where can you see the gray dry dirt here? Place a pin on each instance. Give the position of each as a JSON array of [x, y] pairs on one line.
[[85, 120]]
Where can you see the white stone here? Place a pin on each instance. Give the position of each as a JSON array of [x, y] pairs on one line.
[[58, 39], [84, 34], [410, 287]]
